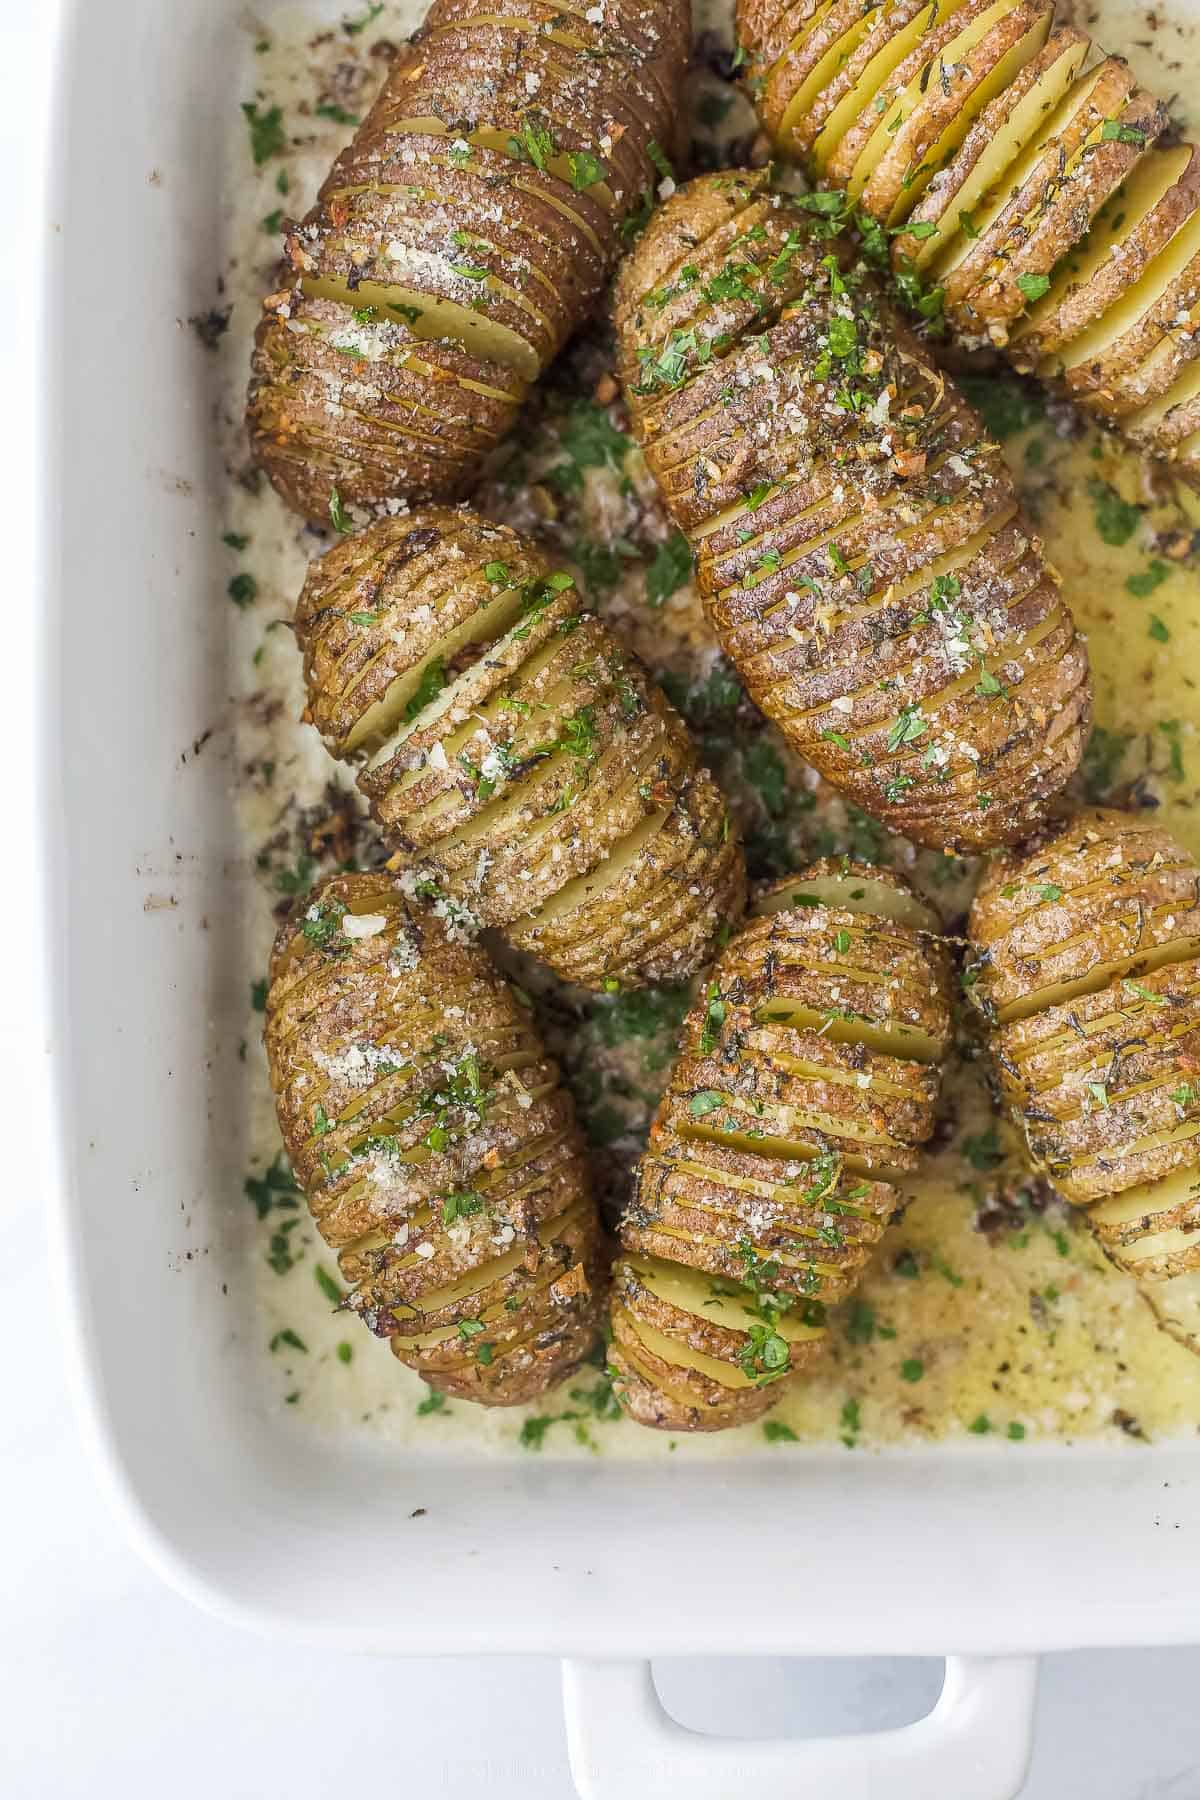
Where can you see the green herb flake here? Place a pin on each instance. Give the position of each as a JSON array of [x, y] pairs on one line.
[[706, 1101], [1157, 630], [911, 1369], [288, 1336], [1142, 585], [434, 1402], [776, 1432], [1016, 1431], [584, 168], [243, 589], [668, 570], [345, 1352], [338, 515], [327, 1285], [354, 26], [1113, 132], [1116, 519], [267, 135], [1033, 286], [1171, 730], [980, 1425], [430, 683]]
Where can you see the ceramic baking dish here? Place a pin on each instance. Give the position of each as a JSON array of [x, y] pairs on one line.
[[929, 1551]]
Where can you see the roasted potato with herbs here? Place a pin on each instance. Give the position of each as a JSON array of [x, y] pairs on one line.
[[523, 764], [806, 1079], [462, 236], [434, 1141], [1029, 197], [1086, 964], [857, 538]]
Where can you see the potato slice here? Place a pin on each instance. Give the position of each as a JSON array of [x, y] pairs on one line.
[[852, 887], [445, 1166]]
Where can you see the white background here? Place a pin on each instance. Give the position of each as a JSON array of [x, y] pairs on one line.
[[109, 1684]]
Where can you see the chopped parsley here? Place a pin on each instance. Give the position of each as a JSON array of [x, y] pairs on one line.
[[267, 135], [430, 683], [669, 568], [584, 169], [339, 517], [243, 589], [1116, 519], [327, 1285], [1142, 585]]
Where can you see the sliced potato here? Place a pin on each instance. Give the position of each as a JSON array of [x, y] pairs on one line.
[[439, 1154], [481, 207], [856, 536], [1087, 966], [763, 1189], [523, 765]]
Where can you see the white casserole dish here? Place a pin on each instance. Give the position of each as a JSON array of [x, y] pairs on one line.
[[928, 1551]]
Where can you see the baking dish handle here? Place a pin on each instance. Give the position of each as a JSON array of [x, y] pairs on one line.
[[974, 1745]]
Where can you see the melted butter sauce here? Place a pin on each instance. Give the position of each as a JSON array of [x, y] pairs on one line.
[[996, 1336]]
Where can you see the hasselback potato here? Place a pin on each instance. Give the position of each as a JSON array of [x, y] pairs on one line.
[[460, 238], [807, 1076], [521, 761], [1042, 211], [434, 1141], [1087, 969], [858, 541]]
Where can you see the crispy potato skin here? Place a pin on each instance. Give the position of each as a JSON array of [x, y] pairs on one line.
[[857, 538], [439, 1153], [765, 1184], [1020, 278], [516, 757], [465, 232], [1087, 967]]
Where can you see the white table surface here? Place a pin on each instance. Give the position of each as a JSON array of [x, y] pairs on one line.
[[110, 1684]]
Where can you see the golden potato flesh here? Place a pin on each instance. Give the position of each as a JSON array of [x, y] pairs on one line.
[[460, 238], [438, 1150], [1042, 214], [522, 763], [856, 535], [806, 1079], [1086, 963]]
